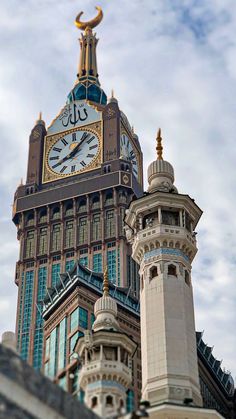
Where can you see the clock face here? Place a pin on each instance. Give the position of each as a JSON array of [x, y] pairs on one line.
[[128, 153], [73, 152]]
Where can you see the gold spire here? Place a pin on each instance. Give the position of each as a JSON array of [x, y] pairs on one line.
[[90, 24], [105, 283], [112, 93], [40, 116], [159, 147]]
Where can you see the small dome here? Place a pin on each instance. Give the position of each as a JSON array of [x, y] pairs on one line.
[[160, 172], [105, 303]]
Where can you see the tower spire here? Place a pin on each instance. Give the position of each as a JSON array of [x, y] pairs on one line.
[[159, 147], [105, 283]]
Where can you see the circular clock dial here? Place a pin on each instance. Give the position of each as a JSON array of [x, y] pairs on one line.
[[127, 152], [73, 152]]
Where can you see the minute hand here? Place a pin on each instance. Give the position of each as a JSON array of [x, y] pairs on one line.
[[84, 137]]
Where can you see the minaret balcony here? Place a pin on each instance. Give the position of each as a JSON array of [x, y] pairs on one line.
[[107, 369], [160, 235]]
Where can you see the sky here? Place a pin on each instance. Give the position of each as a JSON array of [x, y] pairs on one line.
[[172, 64]]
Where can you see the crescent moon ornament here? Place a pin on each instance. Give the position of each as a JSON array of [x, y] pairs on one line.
[[91, 23]]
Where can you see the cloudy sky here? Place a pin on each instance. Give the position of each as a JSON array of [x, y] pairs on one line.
[[172, 64]]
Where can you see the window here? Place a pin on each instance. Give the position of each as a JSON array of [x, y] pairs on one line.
[[96, 202], [56, 237], [111, 264], [27, 313], [109, 199], [82, 206], [96, 227], [52, 363], [122, 197], [43, 216], [187, 277], [153, 272], [109, 401], [84, 261], [74, 319], [29, 250], [187, 221], [69, 265], [69, 234], [172, 270], [83, 318], [92, 319], [74, 339], [43, 240], [69, 210], [94, 402], [56, 267], [56, 213], [30, 219], [110, 224], [97, 262], [170, 217], [62, 344], [83, 230], [130, 401]]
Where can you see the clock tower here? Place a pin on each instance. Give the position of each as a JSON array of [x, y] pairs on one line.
[[83, 172]]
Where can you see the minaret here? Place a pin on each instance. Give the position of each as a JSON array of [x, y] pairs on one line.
[[161, 227], [106, 355]]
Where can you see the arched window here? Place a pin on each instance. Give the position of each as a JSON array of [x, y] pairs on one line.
[[82, 206], [109, 199], [94, 402], [30, 219], [43, 216], [122, 197], [153, 272], [55, 213], [96, 202], [109, 401], [172, 270], [69, 209]]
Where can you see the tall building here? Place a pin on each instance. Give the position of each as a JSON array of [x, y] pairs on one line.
[[161, 227], [83, 171]]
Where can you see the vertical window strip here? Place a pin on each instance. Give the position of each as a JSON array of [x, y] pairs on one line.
[[96, 227], [56, 268], [20, 311], [62, 345], [56, 237], [28, 298], [69, 234], [38, 335], [43, 241], [83, 318], [83, 260], [83, 230], [30, 246], [111, 264], [69, 265], [97, 262], [110, 224], [52, 363]]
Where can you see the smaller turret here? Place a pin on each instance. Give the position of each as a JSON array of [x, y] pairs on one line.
[[160, 172], [106, 355]]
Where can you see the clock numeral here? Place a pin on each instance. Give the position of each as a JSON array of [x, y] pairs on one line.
[[90, 155], [72, 169], [73, 136], [124, 138], [55, 165], [90, 139], [93, 146], [135, 171], [64, 141], [54, 158], [134, 162], [83, 163], [85, 136], [132, 153], [63, 169], [57, 149]]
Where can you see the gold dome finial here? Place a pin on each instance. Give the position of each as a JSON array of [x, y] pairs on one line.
[[159, 147], [105, 283], [91, 23]]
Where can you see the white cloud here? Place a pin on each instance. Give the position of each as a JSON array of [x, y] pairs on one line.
[[172, 64]]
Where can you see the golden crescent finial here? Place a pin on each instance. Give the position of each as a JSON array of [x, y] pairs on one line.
[[159, 147], [91, 23], [105, 283]]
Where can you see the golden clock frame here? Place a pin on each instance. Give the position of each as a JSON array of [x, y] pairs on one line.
[[48, 174], [124, 130]]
